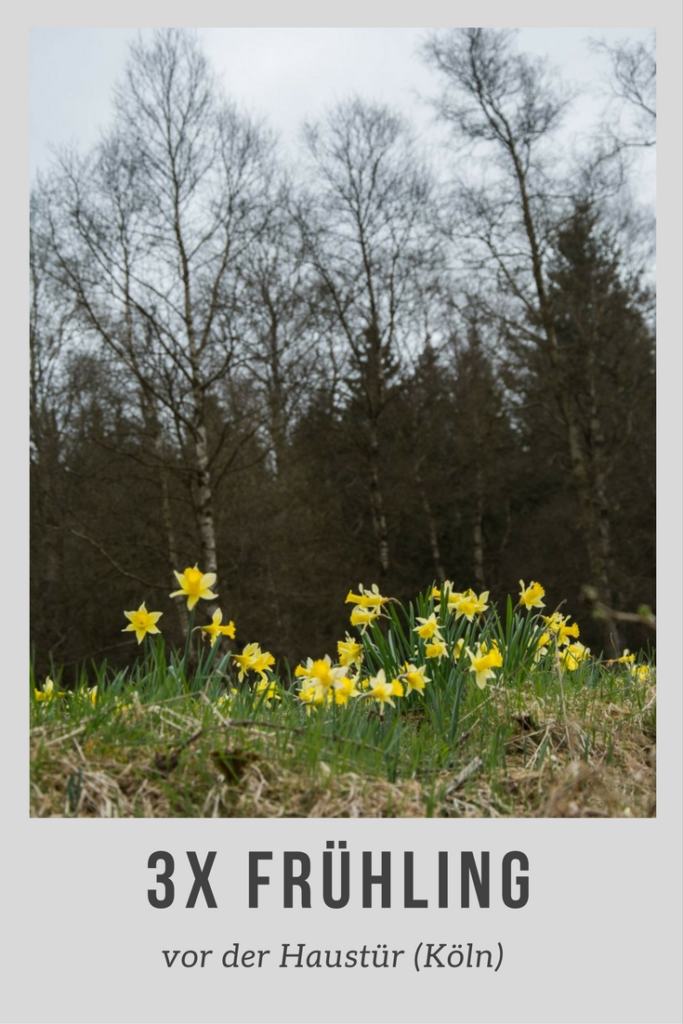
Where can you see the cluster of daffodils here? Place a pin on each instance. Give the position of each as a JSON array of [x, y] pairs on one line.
[[641, 673], [397, 655], [367, 604], [49, 692], [323, 682], [560, 637], [195, 586]]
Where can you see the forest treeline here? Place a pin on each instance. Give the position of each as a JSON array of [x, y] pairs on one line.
[[354, 368]]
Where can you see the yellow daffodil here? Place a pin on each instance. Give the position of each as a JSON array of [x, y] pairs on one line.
[[573, 655], [382, 691], [195, 585], [317, 672], [216, 629], [541, 645], [626, 658], [641, 673], [565, 632], [253, 659], [414, 677], [427, 628], [266, 690], [322, 676], [48, 691], [262, 663], [92, 695], [483, 661], [558, 625], [343, 689], [350, 652], [458, 648], [468, 604], [436, 649], [366, 598], [445, 591], [364, 616], [531, 596], [142, 622], [312, 696]]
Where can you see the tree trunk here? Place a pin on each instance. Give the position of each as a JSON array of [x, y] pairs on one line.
[[594, 510], [431, 525], [478, 535], [377, 511], [204, 504]]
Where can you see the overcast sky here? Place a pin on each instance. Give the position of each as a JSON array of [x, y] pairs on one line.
[[288, 75]]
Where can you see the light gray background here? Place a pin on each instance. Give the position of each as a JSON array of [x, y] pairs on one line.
[[600, 939]]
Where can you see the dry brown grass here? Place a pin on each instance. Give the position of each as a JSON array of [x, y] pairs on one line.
[[232, 774]]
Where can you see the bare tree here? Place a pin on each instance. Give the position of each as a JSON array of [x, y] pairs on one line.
[[150, 235], [633, 88], [506, 102], [366, 228]]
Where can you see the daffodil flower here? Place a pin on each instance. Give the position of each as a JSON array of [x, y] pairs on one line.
[[343, 689], [382, 691], [445, 592], [558, 625], [414, 677], [195, 585], [350, 652], [48, 691], [573, 655], [253, 659], [267, 691], [436, 649], [468, 604], [321, 675], [366, 598], [363, 616], [531, 596], [483, 661], [312, 696], [142, 622], [541, 645], [216, 628], [427, 628]]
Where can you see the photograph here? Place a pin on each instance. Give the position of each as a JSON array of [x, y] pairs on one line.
[[342, 422]]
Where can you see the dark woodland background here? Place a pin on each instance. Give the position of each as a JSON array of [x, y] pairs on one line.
[[354, 369]]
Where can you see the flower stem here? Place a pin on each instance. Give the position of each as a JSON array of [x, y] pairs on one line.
[[188, 642]]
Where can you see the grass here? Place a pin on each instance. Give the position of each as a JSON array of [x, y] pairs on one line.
[[162, 740]]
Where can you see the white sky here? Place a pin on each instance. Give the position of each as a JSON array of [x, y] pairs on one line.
[[288, 75]]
